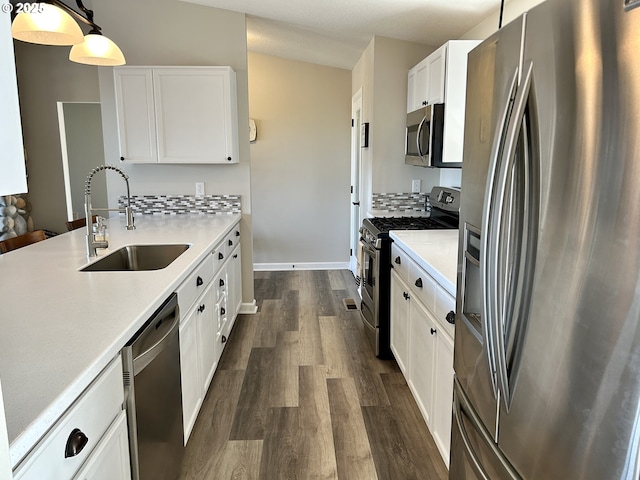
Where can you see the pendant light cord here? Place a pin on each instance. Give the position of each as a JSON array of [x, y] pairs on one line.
[[501, 12]]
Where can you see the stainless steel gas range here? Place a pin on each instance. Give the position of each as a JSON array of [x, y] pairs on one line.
[[376, 260]]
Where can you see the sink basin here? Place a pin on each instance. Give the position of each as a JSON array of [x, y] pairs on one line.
[[137, 258]]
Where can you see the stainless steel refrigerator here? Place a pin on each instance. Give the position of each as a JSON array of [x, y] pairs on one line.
[[547, 341]]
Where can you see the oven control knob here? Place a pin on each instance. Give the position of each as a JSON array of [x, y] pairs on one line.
[[451, 317]]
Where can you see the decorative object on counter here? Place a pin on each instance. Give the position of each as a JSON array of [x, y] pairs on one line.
[[14, 216], [52, 23], [183, 204], [96, 238], [400, 202]]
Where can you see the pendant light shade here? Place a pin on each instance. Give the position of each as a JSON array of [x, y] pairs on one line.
[[97, 50], [49, 25]]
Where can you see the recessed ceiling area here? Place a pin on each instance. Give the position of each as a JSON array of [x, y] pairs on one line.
[[335, 32]]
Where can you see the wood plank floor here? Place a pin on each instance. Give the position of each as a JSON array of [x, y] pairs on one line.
[[299, 394]]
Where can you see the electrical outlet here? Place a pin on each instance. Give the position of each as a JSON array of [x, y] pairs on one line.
[[199, 189], [415, 186]]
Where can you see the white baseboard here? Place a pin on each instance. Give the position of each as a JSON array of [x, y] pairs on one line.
[[248, 308], [266, 267]]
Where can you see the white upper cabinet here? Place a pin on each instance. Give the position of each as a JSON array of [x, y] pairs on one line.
[[177, 114], [436, 71], [13, 178]]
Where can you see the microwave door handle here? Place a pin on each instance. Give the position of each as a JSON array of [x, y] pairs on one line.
[[419, 136]]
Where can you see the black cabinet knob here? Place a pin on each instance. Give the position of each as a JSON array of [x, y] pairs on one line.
[[424, 102], [419, 283], [122, 159], [230, 243], [235, 256], [201, 308], [220, 256], [75, 443], [224, 339], [398, 261], [221, 282], [237, 233], [451, 317], [405, 295], [199, 281], [222, 311], [229, 158], [433, 331]]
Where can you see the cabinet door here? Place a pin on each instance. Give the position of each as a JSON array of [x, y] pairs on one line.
[[190, 371], [422, 351], [235, 286], [207, 326], [422, 84], [411, 90], [436, 72], [110, 459], [136, 115], [13, 178], [400, 321], [443, 395], [195, 115]]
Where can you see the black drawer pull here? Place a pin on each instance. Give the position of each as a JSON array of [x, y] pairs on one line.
[[201, 308], [222, 311], [230, 243], [235, 256], [398, 261], [220, 256], [75, 443], [199, 281], [221, 282], [433, 331], [419, 283], [237, 233], [405, 295], [224, 339], [451, 317]]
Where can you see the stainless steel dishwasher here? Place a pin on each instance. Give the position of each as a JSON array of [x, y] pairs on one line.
[[153, 396]]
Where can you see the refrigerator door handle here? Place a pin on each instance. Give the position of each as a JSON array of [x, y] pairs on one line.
[[503, 255], [488, 241]]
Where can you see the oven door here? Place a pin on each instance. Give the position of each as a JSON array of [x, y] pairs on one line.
[[369, 305]]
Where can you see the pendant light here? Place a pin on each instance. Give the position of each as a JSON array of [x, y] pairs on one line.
[[51, 22], [46, 24], [96, 49]]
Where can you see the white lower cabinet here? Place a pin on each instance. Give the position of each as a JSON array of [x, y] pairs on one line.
[[400, 325], [190, 371], [80, 437], [422, 343], [110, 460], [205, 327]]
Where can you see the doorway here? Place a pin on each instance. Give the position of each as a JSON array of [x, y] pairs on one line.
[[82, 149], [356, 180]]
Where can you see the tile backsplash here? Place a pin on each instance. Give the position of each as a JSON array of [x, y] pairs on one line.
[[400, 202], [182, 204]]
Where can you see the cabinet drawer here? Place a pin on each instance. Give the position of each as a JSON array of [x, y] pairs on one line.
[[400, 262], [195, 284], [445, 303], [423, 286], [232, 240], [92, 414]]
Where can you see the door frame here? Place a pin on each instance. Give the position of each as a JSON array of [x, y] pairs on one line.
[[356, 181]]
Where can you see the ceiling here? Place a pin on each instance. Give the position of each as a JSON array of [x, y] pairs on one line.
[[335, 32]]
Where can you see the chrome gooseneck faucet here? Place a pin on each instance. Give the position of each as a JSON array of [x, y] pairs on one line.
[[92, 243]]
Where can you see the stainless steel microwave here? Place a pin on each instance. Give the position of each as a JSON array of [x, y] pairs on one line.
[[424, 136]]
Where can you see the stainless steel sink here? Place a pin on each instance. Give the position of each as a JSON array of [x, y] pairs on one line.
[[138, 258]]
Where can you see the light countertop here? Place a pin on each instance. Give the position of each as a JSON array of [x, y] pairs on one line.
[[61, 326], [436, 251]]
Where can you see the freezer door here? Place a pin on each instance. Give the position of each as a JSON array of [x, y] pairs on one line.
[[492, 76], [478, 458], [574, 406]]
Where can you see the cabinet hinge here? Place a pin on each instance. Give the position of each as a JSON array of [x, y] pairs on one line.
[[353, 122], [351, 252]]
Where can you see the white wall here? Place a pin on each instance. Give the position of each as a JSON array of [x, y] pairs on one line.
[[300, 162], [381, 72], [167, 32], [512, 10], [45, 77]]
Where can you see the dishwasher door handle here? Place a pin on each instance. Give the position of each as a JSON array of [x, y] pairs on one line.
[[146, 357]]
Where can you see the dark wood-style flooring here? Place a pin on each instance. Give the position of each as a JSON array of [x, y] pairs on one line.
[[299, 394]]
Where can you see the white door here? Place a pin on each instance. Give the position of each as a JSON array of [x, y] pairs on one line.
[[356, 116]]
